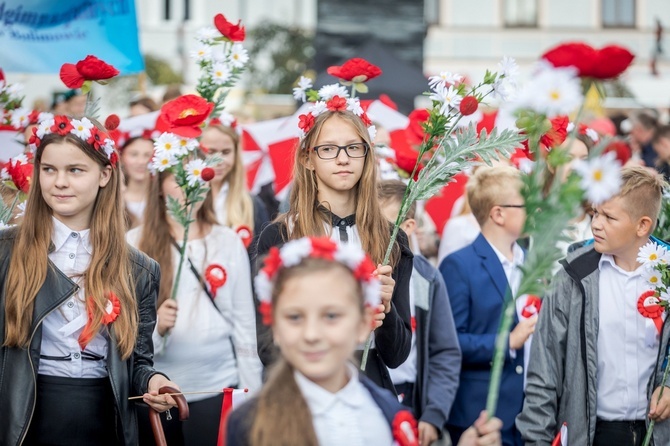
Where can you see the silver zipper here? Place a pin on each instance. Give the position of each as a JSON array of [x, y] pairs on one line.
[[32, 368]]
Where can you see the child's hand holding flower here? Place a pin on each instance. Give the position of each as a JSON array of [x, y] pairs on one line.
[[388, 284]]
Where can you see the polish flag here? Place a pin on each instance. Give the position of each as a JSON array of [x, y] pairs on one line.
[[232, 398], [561, 437]]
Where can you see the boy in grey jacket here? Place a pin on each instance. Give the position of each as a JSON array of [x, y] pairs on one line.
[[595, 364]]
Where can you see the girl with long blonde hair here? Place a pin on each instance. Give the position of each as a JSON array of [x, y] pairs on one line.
[[205, 337], [334, 194], [77, 304]]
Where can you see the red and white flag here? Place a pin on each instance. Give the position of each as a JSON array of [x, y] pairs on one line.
[[232, 398], [561, 438]]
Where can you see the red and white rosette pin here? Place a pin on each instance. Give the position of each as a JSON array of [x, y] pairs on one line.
[[111, 313], [245, 234], [216, 276], [405, 429], [532, 307], [649, 306]]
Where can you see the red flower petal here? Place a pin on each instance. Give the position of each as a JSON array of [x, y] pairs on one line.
[[265, 309], [468, 105], [21, 174], [558, 132], [61, 125], [272, 262], [337, 103], [94, 69], [306, 122], [573, 54], [235, 33], [414, 130], [323, 248], [356, 69], [70, 76], [184, 115], [611, 61]]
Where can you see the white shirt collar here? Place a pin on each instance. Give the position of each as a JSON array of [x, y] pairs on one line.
[[517, 253], [321, 400], [61, 234], [608, 259]]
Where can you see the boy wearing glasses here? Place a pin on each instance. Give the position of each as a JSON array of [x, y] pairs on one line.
[[477, 279]]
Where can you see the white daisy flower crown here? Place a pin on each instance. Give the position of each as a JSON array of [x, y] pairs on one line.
[[82, 128], [295, 251]]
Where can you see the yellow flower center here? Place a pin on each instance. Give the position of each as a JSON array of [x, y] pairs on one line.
[[653, 256], [196, 172], [188, 112], [164, 161], [555, 95], [598, 175], [183, 142], [653, 279], [168, 146]]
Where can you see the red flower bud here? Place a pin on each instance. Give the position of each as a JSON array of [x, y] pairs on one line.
[[112, 122], [207, 173], [468, 105]]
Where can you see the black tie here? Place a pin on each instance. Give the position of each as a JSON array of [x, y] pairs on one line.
[[342, 224]]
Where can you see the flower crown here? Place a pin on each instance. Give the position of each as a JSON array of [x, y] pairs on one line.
[[294, 252], [586, 131], [82, 128]]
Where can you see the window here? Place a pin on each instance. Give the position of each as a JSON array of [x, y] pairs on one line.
[[520, 13], [167, 12], [618, 13], [187, 10], [431, 10]]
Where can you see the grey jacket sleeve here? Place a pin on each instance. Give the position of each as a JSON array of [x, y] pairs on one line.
[[537, 422]]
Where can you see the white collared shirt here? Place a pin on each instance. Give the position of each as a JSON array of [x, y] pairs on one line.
[[625, 360], [406, 372], [62, 327], [352, 234], [220, 203], [348, 417], [513, 274]]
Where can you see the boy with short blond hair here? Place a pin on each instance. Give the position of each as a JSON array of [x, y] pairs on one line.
[[477, 278], [597, 360]]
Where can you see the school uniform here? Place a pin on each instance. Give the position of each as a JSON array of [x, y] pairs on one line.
[[392, 341], [361, 413], [261, 216]]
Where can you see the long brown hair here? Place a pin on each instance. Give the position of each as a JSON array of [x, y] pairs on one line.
[[156, 241], [306, 218], [109, 270], [239, 205], [283, 417]]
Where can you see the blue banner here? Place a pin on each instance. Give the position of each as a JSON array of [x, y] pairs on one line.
[[38, 36]]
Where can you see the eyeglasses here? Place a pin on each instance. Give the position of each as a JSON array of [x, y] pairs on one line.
[[519, 206], [332, 151]]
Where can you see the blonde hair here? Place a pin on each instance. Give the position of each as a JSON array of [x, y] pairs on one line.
[[108, 271], [491, 186], [156, 241], [641, 193], [306, 218], [239, 205]]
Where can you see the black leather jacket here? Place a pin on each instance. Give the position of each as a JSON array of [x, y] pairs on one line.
[[18, 366]]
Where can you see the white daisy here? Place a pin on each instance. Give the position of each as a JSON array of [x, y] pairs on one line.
[[187, 145], [20, 117], [202, 53], [299, 92], [44, 127], [162, 161], [108, 147], [354, 106], [651, 254], [318, 108], [207, 34], [21, 209], [294, 252], [445, 78], [44, 116], [220, 73], [552, 92], [226, 119], [372, 131], [329, 91], [508, 69], [653, 277], [448, 97], [14, 92], [592, 134], [194, 171], [600, 177], [81, 128], [168, 143], [238, 55]]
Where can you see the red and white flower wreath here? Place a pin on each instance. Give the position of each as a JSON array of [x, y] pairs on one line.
[[294, 252], [82, 128]]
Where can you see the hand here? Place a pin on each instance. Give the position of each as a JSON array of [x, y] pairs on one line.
[[384, 274], [427, 433], [660, 410], [167, 316], [378, 317], [483, 432], [522, 332], [159, 403]]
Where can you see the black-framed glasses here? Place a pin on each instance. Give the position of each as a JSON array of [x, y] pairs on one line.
[[332, 151], [519, 206]]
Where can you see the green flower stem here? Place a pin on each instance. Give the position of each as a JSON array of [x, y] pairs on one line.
[[501, 347], [182, 252], [650, 429]]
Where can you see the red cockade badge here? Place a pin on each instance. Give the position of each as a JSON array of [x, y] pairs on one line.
[[216, 276], [245, 234], [532, 306], [109, 315], [605, 63], [405, 430], [89, 69], [649, 306], [235, 33], [184, 116]]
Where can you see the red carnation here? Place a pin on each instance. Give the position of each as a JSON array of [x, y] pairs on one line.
[[112, 122], [605, 63], [355, 70], [235, 33], [184, 115], [337, 103], [468, 105], [89, 69], [323, 248], [558, 132], [61, 125], [21, 174], [207, 174], [306, 122]]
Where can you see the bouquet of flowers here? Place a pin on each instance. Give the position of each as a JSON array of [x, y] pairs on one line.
[[15, 176]]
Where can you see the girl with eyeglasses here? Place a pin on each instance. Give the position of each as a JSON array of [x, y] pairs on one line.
[[334, 194]]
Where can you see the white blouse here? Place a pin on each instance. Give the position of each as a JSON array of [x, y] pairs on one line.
[[198, 352], [220, 203]]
